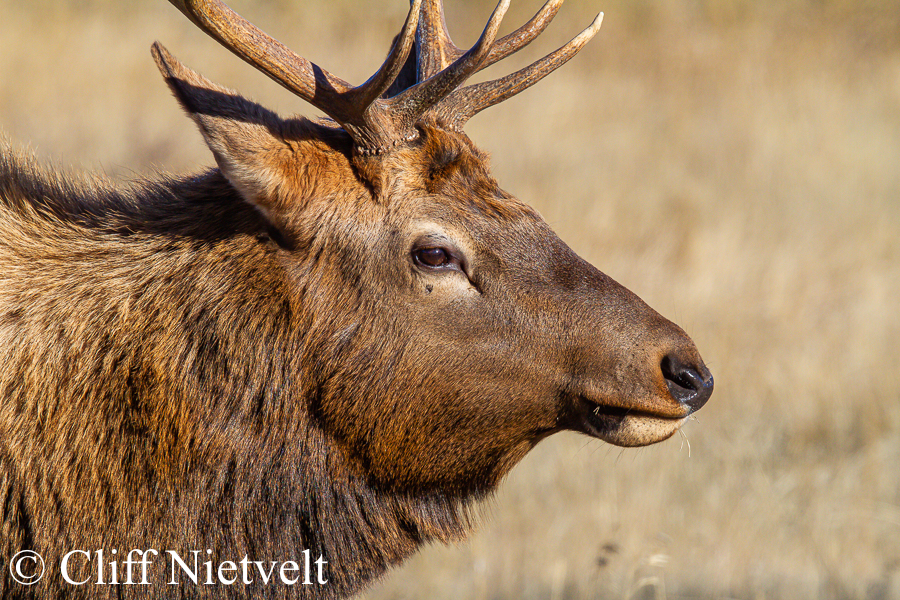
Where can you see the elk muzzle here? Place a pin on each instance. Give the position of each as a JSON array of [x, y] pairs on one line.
[[639, 416], [637, 377]]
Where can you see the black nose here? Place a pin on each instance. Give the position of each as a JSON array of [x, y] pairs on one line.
[[688, 385]]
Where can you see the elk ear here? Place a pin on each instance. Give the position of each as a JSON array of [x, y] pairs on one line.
[[244, 137]]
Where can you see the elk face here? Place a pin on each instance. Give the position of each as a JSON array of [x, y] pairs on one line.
[[449, 329], [474, 332]]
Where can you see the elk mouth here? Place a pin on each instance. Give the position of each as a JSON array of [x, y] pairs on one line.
[[624, 426]]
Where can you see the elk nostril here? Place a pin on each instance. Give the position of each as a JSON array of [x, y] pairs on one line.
[[686, 384]]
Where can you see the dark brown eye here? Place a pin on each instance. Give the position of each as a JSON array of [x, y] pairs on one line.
[[432, 257]]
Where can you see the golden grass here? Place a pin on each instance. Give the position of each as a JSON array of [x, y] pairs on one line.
[[736, 165]]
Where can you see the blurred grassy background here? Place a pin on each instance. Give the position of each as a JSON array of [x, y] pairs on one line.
[[735, 163]]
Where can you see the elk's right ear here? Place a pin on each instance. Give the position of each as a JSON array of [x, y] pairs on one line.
[[244, 137]]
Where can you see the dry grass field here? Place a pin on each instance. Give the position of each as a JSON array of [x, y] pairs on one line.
[[735, 163]]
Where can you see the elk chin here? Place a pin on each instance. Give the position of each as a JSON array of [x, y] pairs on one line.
[[623, 427]]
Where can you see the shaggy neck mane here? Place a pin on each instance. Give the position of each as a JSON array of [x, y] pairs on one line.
[[192, 396], [160, 207]]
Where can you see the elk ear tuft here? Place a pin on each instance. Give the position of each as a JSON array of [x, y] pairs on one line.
[[244, 137]]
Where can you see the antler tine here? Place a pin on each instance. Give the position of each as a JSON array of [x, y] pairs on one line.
[[521, 37], [355, 109], [413, 102], [377, 84], [461, 105], [436, 50]]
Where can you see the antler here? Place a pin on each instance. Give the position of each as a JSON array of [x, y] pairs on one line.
[[377, 124], [435, 50]]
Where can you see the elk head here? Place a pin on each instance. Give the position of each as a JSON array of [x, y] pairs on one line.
[[447, 329]]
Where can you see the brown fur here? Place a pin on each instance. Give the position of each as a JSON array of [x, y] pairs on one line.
[[249, 360]]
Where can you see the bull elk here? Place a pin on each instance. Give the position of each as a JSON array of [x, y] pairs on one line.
[[317, 355]]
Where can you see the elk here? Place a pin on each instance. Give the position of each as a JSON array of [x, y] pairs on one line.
[[333, 344]]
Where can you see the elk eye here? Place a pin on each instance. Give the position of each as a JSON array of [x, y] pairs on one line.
[[432, 257]]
